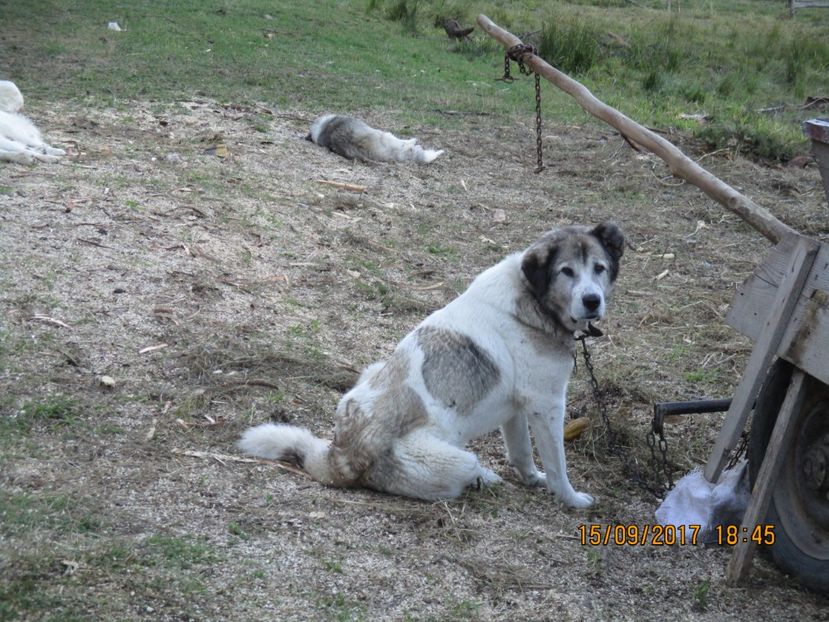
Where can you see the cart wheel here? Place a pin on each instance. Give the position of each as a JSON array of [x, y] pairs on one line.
[[799, 508]]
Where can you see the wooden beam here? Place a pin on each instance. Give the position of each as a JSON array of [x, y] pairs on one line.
[[680, 164], [810, 4], [765, 349], [781, 438]]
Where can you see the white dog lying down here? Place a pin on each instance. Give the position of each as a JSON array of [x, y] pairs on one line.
[[352, 138], [500, 355], [20, 140]]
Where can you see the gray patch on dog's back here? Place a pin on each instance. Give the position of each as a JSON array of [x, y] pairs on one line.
[[402, 409], [393, 373], [334, 127], [455, 369], [346, 136]]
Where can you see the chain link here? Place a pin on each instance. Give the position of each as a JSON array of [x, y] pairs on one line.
[[507, 77], [597, 395], [517, 53], [615, 440], [739, 452], [540, 166]]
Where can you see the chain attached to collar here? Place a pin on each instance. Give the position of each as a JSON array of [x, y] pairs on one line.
[[616, 439], [516, 53]]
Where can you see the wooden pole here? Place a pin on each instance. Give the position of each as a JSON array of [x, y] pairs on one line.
[[680, 164]]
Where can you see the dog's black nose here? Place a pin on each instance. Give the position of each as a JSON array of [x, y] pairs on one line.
[[591, 302]]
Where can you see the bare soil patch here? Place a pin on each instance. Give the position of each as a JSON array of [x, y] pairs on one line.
[[218, 292]]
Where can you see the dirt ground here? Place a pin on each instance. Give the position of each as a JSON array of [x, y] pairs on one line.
[[190, 254]]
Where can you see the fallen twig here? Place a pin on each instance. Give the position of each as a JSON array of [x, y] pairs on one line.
[[224, 458], [93, 243], [50, 320], [160, 346], [342, 185]]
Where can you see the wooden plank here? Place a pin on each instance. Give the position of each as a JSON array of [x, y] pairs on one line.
[[805, 343], [765, 349], [782, 437], [810, 4]]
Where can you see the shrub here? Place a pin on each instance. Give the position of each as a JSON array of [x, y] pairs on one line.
[[571, 44]]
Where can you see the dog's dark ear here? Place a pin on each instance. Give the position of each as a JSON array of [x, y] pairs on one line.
[[613, 240], [536, 268]]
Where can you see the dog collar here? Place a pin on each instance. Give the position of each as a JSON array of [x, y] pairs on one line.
[[591, 331]]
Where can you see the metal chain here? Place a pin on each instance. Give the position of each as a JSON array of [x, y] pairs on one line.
[[516, 53], [615, 439], [661, 463], [738, 453], [507, 77], [540, 166], [597, 395]]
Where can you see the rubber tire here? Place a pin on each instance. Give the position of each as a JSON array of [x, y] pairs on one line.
[[812, 573]]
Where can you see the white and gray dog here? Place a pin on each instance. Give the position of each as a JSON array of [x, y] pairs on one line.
[[499, 355], [20, 140], [352, 138]]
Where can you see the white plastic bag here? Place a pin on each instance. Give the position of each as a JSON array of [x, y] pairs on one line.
[[695, 501]]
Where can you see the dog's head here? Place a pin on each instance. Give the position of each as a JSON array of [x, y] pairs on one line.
[[11, 99], [318, 126], [570, 271]]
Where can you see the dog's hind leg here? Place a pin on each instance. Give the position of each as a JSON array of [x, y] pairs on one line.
[[425, 467], [43, 157], [50, 150]]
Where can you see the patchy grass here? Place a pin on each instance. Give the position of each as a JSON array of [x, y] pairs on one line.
[[747, 77], [220, 293], [286, 54], [734, 83]]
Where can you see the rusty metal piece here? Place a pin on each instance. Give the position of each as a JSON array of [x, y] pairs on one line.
[[667, 409], [818, 131]]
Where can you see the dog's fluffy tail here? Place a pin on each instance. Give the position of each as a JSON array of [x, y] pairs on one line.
[[291, 444], [428, 155]]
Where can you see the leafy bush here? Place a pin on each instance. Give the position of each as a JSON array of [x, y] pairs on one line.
[[571, 44]]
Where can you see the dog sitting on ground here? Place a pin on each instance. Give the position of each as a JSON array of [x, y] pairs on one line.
[[499, 355], [20, 140], [352, 138]]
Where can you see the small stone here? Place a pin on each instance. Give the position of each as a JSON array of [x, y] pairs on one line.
[[107, 381]]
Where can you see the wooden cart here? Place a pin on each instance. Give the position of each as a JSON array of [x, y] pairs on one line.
[[784, 308]]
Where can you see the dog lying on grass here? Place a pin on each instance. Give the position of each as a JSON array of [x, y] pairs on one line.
[[352, 138], [20, 140], [499, 355]]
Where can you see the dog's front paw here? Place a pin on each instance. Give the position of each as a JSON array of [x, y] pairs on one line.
[[579, 500]]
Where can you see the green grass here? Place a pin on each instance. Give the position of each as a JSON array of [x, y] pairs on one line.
[[182, 50], [22, 513], [50, 411], [730, 59], [36, 583], [700, 595], [744, 64]]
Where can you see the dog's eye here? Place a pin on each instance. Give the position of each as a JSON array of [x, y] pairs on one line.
[[567, 271], [599, 268]]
